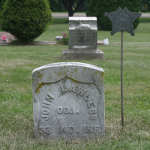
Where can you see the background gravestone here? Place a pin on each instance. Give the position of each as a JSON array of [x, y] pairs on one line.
[[68, 101], [82, 39], [82, 33]]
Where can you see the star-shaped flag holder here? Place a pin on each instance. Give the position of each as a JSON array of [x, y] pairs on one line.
[[122, 20]]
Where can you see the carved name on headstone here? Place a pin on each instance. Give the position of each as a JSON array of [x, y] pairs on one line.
[[68, 101]]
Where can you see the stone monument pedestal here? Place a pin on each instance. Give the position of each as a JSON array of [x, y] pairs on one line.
[[82, 54], [82, 39]]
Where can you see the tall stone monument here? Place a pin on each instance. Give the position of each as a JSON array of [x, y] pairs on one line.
[[68, 101], [82, 39]]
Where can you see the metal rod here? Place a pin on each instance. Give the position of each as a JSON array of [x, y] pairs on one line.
[[122, 116]]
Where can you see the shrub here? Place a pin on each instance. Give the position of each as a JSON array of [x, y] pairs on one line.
[[2, 4], [25, 19], [99, 7]]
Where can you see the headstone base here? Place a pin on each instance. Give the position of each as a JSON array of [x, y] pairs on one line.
[[82, 54]]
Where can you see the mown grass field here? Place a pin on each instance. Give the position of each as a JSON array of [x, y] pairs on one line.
[[16, 110]]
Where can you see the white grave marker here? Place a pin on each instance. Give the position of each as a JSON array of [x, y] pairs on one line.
[[68, 101]]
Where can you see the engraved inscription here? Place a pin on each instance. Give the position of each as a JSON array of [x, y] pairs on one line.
[[91, 129], [68, 86], [65, 110], [43, 129], [45, 107], [65, 129], [86, 129]]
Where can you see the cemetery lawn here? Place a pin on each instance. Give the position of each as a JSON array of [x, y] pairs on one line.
[[16, 110]]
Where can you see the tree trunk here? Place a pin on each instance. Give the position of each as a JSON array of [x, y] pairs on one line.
[[70, 9], [69, 6], [70, 13]]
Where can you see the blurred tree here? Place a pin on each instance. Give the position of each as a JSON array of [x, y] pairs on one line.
[[99, 7], [25, 19], [83, 7], [144, 5], [56, 6], [2, 4], [71, 6]]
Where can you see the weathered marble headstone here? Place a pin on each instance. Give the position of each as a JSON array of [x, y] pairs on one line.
[[68, 101], [82, 39]]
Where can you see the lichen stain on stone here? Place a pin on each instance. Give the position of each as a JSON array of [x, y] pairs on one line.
[[71, 71], [38, 84], [38, 91], [102, 74], [85, 67], [39, 87], [49, 77], [39, 74], [74, 81], [67, 70], [75, 70], [102, 80], [96, 72], [60, 73], [49, 89]]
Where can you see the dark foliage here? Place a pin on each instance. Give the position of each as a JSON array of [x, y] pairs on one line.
[[2, 4], [71, 6], [25, 19], [144, 5], [56, 6], [99, 7]]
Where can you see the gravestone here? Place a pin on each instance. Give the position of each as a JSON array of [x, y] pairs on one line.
[[82, 39], [58, 38], [68, 101]]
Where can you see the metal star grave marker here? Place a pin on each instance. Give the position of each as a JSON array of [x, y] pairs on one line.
[[122, 20]]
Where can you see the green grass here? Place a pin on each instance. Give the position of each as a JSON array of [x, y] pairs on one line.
[[59, 21], [144, 19], [16, 110], [67, 12]]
